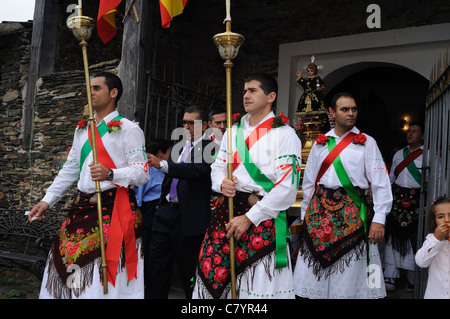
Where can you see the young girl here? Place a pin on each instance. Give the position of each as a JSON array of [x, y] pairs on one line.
[[435, 252]]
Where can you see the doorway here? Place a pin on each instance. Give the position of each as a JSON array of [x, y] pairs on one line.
[[389, 97]]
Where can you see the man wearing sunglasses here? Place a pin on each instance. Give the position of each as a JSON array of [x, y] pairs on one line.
[[183, 214]]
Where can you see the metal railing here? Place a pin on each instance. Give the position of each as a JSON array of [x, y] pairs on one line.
[[436, 157], [165, 106]]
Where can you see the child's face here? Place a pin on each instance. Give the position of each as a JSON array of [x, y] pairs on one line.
[[442, 214], [311, 72]]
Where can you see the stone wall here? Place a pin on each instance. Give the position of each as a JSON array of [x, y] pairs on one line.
[[15, 41], [60, 103], [25, 174]]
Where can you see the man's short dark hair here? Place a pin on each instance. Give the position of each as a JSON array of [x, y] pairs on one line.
[[214, 111], [202, 111], [158, 144], [337, 96], [268, 84], [112, 81]]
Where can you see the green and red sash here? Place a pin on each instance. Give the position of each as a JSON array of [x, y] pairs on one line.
[[347, 183], [334, 158], [87, 149], [258, 241], [254, 136], [122, 223], [408, 162], [334, 153], [242, 151]]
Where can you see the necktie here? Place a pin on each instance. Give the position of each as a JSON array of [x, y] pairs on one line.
[[173, 187]]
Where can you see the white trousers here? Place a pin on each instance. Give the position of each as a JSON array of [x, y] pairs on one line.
[[122, 289], [255, 283], [352, 283]]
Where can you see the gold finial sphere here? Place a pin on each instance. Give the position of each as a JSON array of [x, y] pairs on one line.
[[81, 27], [228, 44]]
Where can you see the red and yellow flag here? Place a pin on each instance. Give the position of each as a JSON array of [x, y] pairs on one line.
[[106, 19], [170, 9]]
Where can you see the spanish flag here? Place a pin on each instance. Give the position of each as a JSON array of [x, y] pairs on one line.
[[170, 9], [106, 19]]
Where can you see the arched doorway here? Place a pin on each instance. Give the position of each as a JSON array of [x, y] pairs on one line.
[[388, 73], [415, 48], [386, 94]]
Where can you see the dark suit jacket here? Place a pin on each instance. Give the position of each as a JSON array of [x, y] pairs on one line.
[[194, 186]]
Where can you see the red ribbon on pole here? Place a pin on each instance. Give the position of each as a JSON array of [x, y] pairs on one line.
[[122, 223]]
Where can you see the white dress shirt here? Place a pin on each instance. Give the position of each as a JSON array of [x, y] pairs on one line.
[[435, 254], [267, 154], [364, 166], [404, 179], [126, 147]]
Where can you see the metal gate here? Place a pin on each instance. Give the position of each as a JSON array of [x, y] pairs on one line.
[[165, 104], [436, 156]]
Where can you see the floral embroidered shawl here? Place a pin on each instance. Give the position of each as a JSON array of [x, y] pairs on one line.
[[77, 246]]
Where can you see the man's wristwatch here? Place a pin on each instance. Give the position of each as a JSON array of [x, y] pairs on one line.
[[110, 175]]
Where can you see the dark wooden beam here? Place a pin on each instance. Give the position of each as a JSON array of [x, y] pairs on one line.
[[137, 57], [42, 58]]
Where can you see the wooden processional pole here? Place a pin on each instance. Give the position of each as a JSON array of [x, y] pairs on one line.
[[82, 27], [228, 44]]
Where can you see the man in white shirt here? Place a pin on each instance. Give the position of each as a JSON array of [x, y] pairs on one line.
[[338, 254], [264, 185], [74, 260], [401, 223]]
